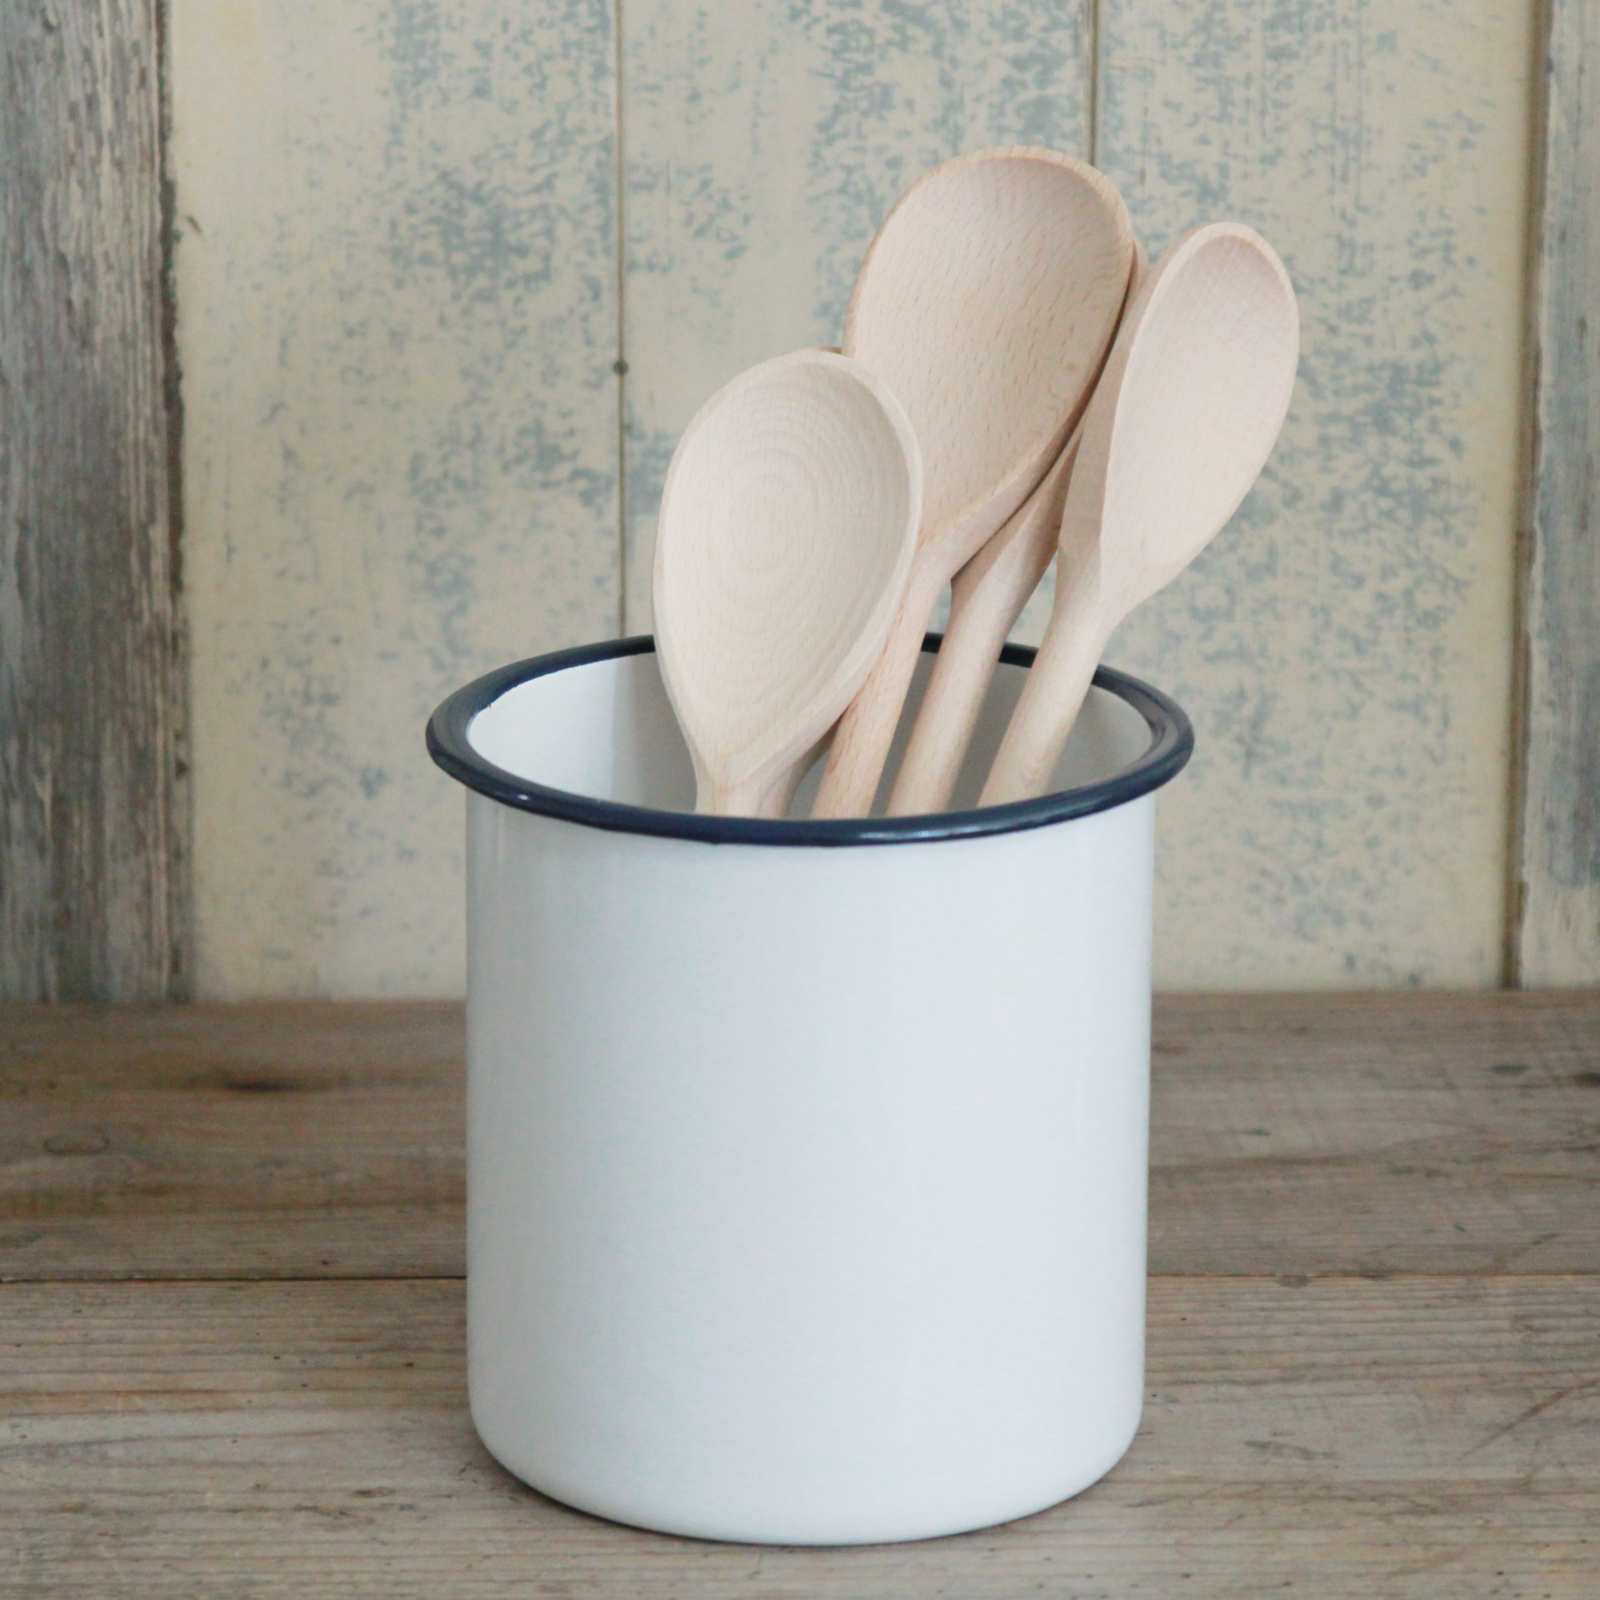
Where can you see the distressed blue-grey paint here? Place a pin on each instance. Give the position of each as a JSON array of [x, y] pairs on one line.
[[402, 309], [762, 148], [1346, 808], [401, 304]]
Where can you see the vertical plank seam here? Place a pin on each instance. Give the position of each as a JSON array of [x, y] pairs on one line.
[[180, 828], [620, 364], [1092, 14], [1524, 532]]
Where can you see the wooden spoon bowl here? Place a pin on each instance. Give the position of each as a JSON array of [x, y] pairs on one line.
[[788, 520], [987, 302], [1186, 413], [986, 598]]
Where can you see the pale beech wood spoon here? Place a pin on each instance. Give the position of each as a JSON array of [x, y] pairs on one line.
[[986, 598], [788, 522], [987, 302], [1181, 424]]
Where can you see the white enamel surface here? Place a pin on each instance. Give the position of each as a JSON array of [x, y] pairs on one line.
[[806, 1187]]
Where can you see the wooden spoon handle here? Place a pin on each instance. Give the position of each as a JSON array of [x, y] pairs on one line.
[[766, 796], [986, 599], [781, 796], [1051, 697], [865, 732], [735, 799]]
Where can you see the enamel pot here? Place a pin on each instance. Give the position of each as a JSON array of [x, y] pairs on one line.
[[806, 1160]]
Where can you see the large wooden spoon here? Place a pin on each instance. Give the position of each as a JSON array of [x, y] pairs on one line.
[[986, 598], [788, 521], [987, 301], [1185, 415]]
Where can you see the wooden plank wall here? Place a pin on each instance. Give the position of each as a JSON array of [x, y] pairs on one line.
[[398, 312], [1344, 647], [94, 862], [1557, 922], [451, 279]]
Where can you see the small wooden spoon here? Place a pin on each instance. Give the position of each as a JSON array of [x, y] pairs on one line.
[[788, 521], [986, 598], [987, 301], [1182, 422]]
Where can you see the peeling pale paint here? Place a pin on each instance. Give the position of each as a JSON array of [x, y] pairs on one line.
[[399, 323], [1345, 645], [763, 147], [398, 318]]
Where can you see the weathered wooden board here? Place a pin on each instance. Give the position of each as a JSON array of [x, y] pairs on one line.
[[94, 867], [1345, 647], [1420, 1436], [399, 313], [398, 306], [762, 144], [1557, 934], [1291, 1134]]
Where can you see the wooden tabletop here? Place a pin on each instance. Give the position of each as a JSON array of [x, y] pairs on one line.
[[231, 1347]]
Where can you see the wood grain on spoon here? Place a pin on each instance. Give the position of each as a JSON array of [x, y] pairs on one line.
[[1186, 413], [788, 521], [987, 302], [986, 598]]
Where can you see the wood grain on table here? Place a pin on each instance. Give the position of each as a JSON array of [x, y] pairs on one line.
[[232, 1341]]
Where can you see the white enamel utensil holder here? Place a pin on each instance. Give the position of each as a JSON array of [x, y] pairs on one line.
[[806, 1180]]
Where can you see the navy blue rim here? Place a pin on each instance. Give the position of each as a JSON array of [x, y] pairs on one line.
[[1171, 745]]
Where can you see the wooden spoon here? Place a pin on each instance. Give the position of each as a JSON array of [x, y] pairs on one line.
[[1183, 420], [987, 302], [788, 521], [986, 598]]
